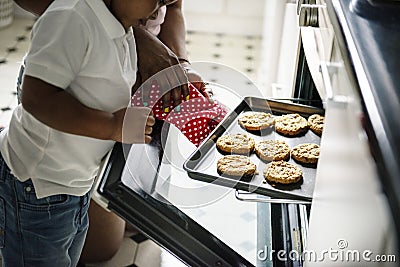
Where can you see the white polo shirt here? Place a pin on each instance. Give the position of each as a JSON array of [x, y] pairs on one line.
[[79, 46]]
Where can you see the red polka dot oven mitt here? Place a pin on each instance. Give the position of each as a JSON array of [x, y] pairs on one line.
[[196, 118]]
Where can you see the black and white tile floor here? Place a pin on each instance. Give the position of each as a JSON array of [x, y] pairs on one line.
[[240, 53]]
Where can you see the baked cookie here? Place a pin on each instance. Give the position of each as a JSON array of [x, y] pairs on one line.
[[239, 143], [306, 153], [236, 165], [316, 123], [270, 150], [282, 172], [291, 124], [256, 121]]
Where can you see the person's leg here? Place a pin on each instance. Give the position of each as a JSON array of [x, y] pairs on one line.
[[39, 232], [76, 247], [104, 237]]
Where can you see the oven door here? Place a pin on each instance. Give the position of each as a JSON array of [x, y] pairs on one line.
[[201, 224], [134, 183]]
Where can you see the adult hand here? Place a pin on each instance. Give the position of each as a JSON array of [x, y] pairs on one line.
[[157, 64], [196, 79], [133, 125]]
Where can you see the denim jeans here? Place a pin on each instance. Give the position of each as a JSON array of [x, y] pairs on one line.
[[19, 80], [39, 232]]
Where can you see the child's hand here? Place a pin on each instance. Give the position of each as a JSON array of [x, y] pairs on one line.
[[133, 125]]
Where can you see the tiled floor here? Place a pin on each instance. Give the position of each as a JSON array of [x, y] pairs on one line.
[[238, 53], [14, 42]]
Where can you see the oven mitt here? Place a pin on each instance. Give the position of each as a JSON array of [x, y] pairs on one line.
[[197, 116]]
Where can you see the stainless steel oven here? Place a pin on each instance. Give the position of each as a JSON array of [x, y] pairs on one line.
[[346, 65]]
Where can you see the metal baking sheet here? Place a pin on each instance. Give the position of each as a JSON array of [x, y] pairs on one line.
[[202, 164]]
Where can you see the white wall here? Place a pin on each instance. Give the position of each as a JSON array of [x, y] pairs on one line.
[[274, 20], [222, 16], [279, 48], [225, 16]]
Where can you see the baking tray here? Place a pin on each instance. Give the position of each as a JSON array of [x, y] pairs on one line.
[[202, 164]]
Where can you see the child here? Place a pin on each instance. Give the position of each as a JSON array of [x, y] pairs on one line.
[[79, 72]]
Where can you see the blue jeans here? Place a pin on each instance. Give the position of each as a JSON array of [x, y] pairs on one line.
[[39, 232], [19, 80]]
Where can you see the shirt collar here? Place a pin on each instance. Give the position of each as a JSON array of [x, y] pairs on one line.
[[111, 25]]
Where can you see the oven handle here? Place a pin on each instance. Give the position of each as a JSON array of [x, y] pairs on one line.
[[327, 68], [242, 196], [294, 99]]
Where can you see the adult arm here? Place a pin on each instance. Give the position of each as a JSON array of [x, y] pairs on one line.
[[173, 31], [155, 58], [36, 7], [173, 35]]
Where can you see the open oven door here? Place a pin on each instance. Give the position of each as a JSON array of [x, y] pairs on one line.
[[134, 182], [200, 223]]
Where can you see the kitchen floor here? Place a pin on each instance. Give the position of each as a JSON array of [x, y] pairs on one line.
[[239, 53]]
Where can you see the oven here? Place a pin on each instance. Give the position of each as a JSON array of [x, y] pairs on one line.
[[356, 201], [354, 209]]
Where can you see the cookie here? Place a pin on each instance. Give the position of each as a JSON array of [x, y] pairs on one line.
[[291, 124], [236, 165], [256, 121], [306, 153], [316, 123], [270, 150], [282, 172], [239, 143]]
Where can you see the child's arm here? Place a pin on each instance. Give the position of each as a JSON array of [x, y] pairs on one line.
[[60, 110]]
